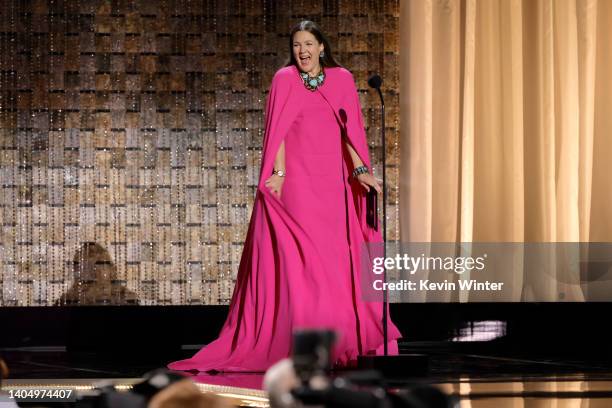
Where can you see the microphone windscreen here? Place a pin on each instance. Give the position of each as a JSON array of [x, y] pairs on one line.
[[375, 81]]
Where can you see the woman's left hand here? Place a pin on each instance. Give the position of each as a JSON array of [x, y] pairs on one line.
[[368, 181]]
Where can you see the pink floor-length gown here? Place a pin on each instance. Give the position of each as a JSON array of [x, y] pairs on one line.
[[300, 262]]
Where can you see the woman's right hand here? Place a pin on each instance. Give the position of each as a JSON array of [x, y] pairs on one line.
[[275, 184]]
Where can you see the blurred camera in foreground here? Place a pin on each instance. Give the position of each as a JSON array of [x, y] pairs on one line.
[[304, 380]]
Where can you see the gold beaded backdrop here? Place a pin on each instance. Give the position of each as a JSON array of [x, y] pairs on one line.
[[131, 132]]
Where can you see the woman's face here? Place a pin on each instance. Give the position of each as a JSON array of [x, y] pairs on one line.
[[306, 50]]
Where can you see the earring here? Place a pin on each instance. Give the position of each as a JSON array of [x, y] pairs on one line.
[[322, 54]]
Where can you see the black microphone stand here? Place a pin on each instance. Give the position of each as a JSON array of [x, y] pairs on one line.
[[384, 209], [402, 364]]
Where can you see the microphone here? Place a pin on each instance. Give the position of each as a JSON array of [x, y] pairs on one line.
[[375, 81]]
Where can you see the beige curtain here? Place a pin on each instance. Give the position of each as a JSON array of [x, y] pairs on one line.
[[506, 115]]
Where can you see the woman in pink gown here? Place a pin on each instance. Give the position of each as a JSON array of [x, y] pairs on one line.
[[301, 257]]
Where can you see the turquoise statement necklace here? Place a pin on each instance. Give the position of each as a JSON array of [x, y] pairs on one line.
[[312, 83]]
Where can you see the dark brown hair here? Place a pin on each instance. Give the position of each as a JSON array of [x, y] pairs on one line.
[[307, 25]]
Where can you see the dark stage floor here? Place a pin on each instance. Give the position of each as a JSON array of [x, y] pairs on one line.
[[511, 355], [445, 364], [479, 379]]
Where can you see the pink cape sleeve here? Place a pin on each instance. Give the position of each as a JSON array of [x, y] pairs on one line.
[[355, 131], [282, 108]]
